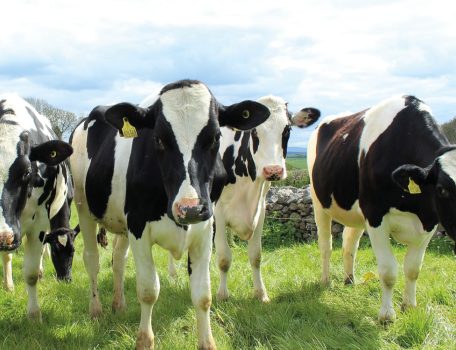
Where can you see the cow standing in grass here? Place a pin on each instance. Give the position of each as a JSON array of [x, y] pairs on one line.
[[390, 171], [252, 159], [34, 189], [157, 187]]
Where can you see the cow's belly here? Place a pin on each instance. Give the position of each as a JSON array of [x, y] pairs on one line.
[[352, 218], [405, 227]]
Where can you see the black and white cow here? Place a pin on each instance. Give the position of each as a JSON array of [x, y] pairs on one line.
[[387, 170], [252, 159], [34, 189], [157, 188]]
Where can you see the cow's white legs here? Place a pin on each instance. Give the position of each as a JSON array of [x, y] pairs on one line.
[[199, 253], [32, 255], [223, 253], [254, 250], [350, 243], [7, 271], [387, 270], [323, 222], [171, 266], [412, 266], [147, 288], [119, 259], [91, 260]]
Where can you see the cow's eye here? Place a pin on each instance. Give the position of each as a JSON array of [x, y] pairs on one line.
[[215, 141], [159, 144], [27, 175], [442, 192]]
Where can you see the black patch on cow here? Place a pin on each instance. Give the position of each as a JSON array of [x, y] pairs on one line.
[[189, 265], [255, 140], [237, 135], [228, 162], [179, 85], [100, 149], [10, 122], [244, 164], [285, 138], [335, 171], [4, 110]]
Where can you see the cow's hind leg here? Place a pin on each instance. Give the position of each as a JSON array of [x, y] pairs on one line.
[[323, 222], [223, 253], [254, 250], [91, 260], [147, 289], [7, 271], [351, 237], [171, 266], [199, 254], [119, 259], [32, 255], [387, 270], [412, 266]]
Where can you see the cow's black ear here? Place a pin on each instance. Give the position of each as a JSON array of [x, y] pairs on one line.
[[410, 178], [127, 118], [305, 117], [51, 152], [244, 115]]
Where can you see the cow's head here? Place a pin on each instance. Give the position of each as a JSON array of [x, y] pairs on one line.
[[19, 174], [61, 242], [440, 179], [305, 117], [186, 120]]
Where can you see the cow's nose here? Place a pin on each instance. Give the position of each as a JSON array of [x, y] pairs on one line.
[[6, 240], [273, 172], [190, 211]]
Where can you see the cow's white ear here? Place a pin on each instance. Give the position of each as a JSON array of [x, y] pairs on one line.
[[410, 178], [305, 117], [128, 118], [244, 115]]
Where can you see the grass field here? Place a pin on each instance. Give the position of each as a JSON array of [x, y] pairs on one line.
[[301, 314], [296, 163]]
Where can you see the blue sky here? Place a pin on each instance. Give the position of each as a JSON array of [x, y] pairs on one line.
[[334, 55]]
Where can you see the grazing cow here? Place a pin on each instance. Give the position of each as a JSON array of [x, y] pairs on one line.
[[34, 186], [387, 170], [157, 188], [252, 159]]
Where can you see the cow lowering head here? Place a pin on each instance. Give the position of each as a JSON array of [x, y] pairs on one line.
[[186, 121], [61, 242], [440, 180], [19, 173]]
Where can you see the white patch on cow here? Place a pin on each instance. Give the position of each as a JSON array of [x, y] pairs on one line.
[[448, 163], [187, 110], [60, 187], [167, 235], [63, 239], [345, 136], [377, 119]]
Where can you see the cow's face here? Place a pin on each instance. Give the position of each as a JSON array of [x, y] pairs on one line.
[[440, 179], [18, 175], [186, 122], [269, 140]]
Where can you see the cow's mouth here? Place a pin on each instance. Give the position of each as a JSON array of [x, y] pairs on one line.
[[8, 241]]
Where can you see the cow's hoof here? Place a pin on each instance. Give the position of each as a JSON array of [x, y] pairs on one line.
[[223, 295], [262, 296], [207, 345], [35, 316], [407, 306], [8, 287], [386, 315], [325, 282], [349, 280], [144, 341], [95, 310], [119, 306]]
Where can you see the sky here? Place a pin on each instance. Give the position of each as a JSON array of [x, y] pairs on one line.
[[334, 55]]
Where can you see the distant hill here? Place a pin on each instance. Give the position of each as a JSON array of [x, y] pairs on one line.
[[297, 151]]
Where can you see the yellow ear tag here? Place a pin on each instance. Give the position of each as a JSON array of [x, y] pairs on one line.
[[413, 187], [53, 154], [128, 130]]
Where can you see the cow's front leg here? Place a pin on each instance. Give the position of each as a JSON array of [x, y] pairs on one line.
[[32, 255], [412, 267], [172, 272], [119, 259], [323, 222], [147, 289], [7, 271], [387, 270], [254, 250], [223, 253], [199, 255]]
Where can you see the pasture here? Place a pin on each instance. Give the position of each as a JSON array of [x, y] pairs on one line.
[[301, 314]]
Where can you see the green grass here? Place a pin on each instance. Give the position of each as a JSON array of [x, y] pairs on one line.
[[301, 314], [296, 163]]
